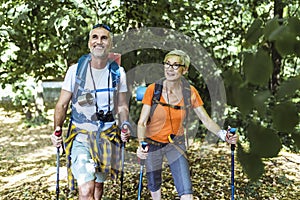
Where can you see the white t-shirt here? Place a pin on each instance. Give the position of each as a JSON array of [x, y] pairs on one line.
[[101, 82]]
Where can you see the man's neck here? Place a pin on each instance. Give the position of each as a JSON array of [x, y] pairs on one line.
[[98, 63]]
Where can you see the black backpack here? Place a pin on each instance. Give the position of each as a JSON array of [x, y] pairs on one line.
[[186, 92]]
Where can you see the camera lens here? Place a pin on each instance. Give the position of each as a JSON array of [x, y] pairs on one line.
[[101, 112], [100, 116], [109, 116]]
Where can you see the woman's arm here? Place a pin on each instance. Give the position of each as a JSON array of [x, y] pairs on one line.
[[211, 125], [142, 123]]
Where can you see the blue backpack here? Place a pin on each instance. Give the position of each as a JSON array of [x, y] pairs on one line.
[[80, 83], [81, 74]]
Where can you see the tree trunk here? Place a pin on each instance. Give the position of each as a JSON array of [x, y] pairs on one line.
[[276, 58]]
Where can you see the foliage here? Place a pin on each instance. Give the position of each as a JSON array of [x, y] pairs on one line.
[[254, 44], [271, 49]]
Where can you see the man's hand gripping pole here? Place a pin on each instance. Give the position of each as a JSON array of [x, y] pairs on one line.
[[57, 133]]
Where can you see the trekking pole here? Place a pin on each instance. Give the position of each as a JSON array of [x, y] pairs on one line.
[[122, 159], [58, 134], [232, 130], [142, 163]]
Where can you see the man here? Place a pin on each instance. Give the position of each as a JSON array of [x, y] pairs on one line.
[[97, 88]]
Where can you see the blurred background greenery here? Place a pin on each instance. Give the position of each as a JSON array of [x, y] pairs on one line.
[[255, 44]]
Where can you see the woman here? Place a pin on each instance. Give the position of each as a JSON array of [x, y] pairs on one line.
[[164, 133]]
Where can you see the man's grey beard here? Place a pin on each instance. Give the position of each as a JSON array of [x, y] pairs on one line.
[[100, 55]]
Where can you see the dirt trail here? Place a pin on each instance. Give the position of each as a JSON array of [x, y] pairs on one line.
[[28, 164]]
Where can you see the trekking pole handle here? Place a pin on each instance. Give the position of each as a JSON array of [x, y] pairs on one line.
[[123, 130], [144, 145], [232, 131], [58, 131]]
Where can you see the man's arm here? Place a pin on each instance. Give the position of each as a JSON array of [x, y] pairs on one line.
[[61, 108], [60, 115], [123, 110]]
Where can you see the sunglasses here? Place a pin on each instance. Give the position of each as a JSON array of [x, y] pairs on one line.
[[102, 26]]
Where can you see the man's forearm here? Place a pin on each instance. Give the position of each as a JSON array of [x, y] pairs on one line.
[[123, 113], [123, 110], [61, 108], [59, 115]]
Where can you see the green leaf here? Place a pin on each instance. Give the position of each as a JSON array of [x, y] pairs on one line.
[[270, 27], [244, 100], [288, 87], [277, 33], [254, 32], [285, 117], [251, 163], [260, 101], [233, 80], [296, 138], [297, 48], [294, 25], [258, 68], [286, 44], [285, 38], [263, 141]]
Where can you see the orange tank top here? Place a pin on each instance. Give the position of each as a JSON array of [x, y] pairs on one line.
[[167, 120]]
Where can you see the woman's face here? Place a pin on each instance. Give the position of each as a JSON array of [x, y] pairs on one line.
[[173, 68]]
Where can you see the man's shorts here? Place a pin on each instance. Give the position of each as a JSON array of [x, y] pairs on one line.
[[82, 165]]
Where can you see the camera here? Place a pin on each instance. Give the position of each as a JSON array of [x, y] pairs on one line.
[[86, 99], [100, 116]]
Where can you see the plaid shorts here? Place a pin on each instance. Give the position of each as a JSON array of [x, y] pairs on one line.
[[82, 164]]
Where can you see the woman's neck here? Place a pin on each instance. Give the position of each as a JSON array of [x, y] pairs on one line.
[[172, 92], [172, 85]]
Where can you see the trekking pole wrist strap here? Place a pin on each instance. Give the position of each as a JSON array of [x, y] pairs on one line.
[[222, 135]]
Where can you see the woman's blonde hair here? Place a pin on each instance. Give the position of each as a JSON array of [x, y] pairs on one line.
[[184, 58]]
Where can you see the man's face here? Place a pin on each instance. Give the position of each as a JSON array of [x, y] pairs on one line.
[[100, 42]]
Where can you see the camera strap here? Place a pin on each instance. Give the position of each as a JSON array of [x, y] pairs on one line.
[[108, 83]]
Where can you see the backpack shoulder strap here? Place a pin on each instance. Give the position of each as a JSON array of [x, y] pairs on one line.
[[83, 62], [186, 92], [114, 70], [156, 95], [115, 73]]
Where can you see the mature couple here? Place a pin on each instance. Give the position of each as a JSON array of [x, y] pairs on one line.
[[96, 87]]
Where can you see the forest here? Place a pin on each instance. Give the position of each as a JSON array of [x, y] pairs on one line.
[[245, 63]]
